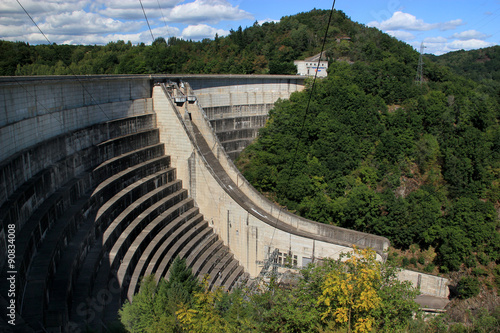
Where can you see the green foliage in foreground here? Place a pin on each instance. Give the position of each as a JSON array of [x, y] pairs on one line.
[[378, 153], [188, 307], [153, 308], [323, 295]]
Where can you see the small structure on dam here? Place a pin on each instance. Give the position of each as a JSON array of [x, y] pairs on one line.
[[105, 179]]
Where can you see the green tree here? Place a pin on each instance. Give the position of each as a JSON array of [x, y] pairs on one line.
[[362, 294], [154, 307]]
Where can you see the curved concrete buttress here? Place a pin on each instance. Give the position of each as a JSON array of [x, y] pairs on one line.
[[248, 223]]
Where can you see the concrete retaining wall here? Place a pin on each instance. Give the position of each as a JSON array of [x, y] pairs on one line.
[[428, 284], [39, 108]]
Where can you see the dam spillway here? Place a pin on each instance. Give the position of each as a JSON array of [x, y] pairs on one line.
[[108, 178]]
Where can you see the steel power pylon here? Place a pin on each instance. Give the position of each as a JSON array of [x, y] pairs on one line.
[[419, 78]]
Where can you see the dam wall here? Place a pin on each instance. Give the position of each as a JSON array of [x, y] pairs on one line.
[[106, 179], [46, 120], [249, 224], [37, 109], [89, 192], [237, 106]]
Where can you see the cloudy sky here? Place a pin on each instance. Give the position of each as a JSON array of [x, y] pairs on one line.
[[443, 25]]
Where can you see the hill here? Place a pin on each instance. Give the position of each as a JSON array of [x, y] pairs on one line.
[[367, 148], [481, 66], [478, 65], [269, 48], [377, 153]]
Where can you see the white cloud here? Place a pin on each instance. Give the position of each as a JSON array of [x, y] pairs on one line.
[[434, 45], [9, 32], [12, 13], [468, 44], [450, 25], [81, 22], [434, 40], [402, 35], [440, 45], [211, 11], [469, 34], [132, 10], [268, 20], [35, 7], [201, 31], [405, 21], [402, 21], [166, 32]]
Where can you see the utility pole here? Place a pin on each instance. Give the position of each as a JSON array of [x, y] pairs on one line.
[[419, 78]]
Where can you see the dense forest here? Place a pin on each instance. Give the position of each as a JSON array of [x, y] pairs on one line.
[[366, 148], [269, 48], [481, 65]]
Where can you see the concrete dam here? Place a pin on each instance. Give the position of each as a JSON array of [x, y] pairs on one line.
[[106, 179]]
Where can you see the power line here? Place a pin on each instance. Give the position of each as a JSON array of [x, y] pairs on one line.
[[147, 21], [161, 11], [169, 34], [31, 18], [69, 67], [287, 183]]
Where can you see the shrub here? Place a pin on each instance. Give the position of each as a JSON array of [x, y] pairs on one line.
[[429, 268], [414, 248], [406, 262], [470, 262], [413, 261], [478, 271], [496, 273], [468, 287], [483, 258], [421, 260]]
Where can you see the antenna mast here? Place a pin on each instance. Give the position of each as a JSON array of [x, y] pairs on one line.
[[419, 78]]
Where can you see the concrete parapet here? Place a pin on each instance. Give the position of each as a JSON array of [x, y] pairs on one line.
[[431, 285]]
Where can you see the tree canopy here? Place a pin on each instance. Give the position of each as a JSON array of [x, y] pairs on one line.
[[269, 48]]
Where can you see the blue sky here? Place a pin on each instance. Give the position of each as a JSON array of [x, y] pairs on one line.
[[443, 25]]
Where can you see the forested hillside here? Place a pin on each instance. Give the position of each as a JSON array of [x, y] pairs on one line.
[[365, 148], [479, 65], [482, 66], [376, 152], [269, 48]]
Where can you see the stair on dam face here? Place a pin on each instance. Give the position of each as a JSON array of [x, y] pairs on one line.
[[178, 240], [55, 236], [137, 232], [46, 264], [86, 246], [35, 231], [139, 252]]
